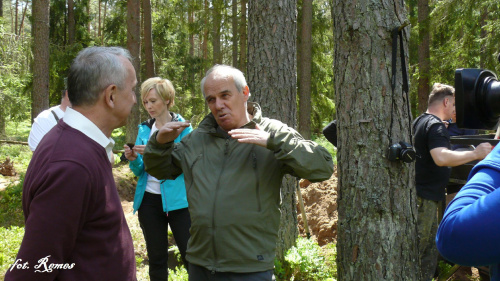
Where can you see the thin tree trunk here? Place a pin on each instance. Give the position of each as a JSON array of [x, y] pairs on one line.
[[104, 20], [17, 8], [243, 37], [88, 13], [272, 81], [148, 39], [134, 47], [424, 57], [305, 67], [235, 32], [40, 31], [99, 19], [482, 22], [217, 20], [1, 9], [71, 22], [22, 19], [377, 237]]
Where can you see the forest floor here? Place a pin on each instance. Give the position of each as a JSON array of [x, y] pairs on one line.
[[320, 202]]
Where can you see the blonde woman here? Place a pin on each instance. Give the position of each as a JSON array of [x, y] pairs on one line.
[[160, 203]]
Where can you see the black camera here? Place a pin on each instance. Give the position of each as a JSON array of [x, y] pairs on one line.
[[477, 98], [401, 151]]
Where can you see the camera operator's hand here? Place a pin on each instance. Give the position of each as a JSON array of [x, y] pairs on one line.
[[482, 150]]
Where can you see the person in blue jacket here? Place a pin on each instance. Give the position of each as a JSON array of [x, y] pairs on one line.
[[160, 203], [468, 233]]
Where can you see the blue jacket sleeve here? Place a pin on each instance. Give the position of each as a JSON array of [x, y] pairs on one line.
[[468, 233]]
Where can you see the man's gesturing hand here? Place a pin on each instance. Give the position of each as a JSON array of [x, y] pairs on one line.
[[170, 131], [255, 136]]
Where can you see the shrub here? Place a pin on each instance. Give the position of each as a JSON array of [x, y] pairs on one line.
[[307, 261]]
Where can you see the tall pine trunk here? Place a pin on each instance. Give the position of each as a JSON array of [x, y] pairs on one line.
[[40, 30], [377, 237], [272, 81], [242, 63], [305, 70], [148, 40], [134, 47], [424, 57], [71, 22], [234, 21]]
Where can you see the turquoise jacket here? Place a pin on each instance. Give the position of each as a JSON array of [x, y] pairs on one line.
[[173, 192]]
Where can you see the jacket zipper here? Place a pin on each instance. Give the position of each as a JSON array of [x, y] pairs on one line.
[[257, 188], [226, 151]]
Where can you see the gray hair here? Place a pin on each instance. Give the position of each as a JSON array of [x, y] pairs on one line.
[[94, 69], [226, 71]]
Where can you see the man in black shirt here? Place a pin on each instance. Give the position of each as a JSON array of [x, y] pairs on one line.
[[434, 157]]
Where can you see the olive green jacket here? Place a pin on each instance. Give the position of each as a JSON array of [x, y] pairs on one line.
[[233, 188]]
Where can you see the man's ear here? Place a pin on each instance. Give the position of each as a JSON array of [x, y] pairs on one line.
[[109, 95], [246, 92]]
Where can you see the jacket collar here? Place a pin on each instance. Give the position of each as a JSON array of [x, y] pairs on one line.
[[210, 126]]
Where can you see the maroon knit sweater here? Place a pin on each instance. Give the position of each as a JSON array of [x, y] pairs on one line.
[[75, 226]]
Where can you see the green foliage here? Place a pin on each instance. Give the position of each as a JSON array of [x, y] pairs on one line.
[[15, 56], [306, 261], [179, 274], [321, 140], [9, 245], [11, 211]]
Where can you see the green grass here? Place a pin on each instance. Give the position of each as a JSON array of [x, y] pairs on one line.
[[18, 131], [9, 245]]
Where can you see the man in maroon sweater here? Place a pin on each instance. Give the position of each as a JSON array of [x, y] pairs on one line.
[[75, 226]]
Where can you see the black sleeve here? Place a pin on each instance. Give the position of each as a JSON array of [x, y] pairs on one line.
[[330, 132], [438, 136]]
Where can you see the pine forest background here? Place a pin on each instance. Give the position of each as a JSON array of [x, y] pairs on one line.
[[189, 36]]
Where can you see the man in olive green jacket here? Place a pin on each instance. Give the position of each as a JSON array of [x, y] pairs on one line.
[[233, 165]]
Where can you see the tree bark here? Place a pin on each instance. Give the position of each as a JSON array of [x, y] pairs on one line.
[[235, 32], [148, 39], [305, 70], [377, 237], [71, 22], [40, 30], [242, 64], [1, 9], [134, 47], [217, 21], [424, 57], [272, 81]]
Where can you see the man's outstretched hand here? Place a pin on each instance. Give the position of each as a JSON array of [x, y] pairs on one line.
[[255, 136], [170, 131]]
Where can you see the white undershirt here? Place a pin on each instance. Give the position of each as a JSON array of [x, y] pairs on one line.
[[153, 184]]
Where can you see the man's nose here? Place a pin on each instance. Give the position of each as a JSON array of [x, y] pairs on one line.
[[219, 104]]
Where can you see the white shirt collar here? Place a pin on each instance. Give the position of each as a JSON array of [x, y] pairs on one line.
[[81, 123]]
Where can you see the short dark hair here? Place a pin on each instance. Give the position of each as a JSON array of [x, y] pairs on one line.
[[440, 92], [94, 69]]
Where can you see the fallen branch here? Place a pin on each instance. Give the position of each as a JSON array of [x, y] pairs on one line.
[[14, 142]]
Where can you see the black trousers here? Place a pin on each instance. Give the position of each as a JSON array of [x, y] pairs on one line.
[[199, 273], [154, 223]]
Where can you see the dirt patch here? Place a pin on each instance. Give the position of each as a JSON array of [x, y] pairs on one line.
[[320, 204], [7, 168]]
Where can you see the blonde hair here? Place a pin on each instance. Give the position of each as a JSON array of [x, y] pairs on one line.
[[440, 92], [163, 87]]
